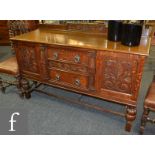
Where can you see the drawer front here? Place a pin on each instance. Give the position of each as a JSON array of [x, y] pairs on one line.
[[73, 56], [68, 67], [69, 79]]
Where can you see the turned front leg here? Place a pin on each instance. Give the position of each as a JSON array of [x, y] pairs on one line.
[[25, 88], [2, 88], [144, 119], [19, 86], [18, 82], [130, 117], [1, 83]]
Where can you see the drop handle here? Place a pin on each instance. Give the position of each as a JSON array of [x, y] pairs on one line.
[[57, 77], [77, 82], [55, 55], [77, 59]]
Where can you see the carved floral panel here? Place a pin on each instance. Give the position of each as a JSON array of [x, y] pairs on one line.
[[118, 74], [28, 59]]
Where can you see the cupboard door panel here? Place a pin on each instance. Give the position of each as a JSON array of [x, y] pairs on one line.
[[29, 59], [119, 74]]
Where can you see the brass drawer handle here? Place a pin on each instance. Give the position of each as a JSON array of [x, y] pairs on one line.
[[77, 59], [55, 55], [77, 82], [57, 77]]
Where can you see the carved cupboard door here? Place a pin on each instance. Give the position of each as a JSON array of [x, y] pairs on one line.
[[119, 75], [28, 57]]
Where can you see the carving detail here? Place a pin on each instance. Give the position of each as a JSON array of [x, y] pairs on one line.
[[138, 78], [131, 113], [117, 75], [44, 69], [68, 67], [92, 28], [28, 59]]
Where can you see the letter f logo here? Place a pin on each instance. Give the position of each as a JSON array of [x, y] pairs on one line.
[[12, 120]]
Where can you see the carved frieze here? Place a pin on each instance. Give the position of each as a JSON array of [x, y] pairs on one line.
[[68, 67], [92, 28]]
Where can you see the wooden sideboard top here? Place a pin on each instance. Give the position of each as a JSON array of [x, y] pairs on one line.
[[82, 40]]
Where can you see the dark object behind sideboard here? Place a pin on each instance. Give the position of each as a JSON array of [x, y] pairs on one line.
[[131, 34], [114, 30]]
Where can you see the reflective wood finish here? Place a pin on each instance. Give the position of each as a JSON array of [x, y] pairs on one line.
[[82, 40], [84, 63]]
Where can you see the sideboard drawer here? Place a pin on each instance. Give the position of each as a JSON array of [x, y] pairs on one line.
[[68, 67], [69, 79], [73, 56]]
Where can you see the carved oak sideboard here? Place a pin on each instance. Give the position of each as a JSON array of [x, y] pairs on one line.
[[84, 63]]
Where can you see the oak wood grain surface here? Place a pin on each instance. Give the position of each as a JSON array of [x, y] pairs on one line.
[[84, 40]]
